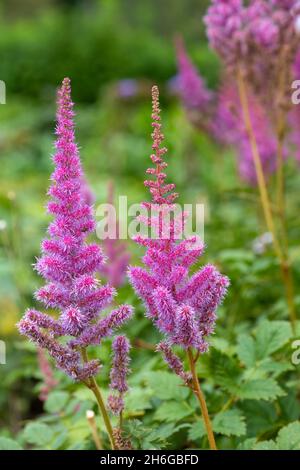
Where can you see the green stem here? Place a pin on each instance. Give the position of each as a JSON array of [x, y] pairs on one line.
[[201, 399], [93, 386]]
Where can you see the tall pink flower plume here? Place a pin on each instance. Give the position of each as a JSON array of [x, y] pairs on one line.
[[68, 263], [182, 307], [116, 252], [194, 93]]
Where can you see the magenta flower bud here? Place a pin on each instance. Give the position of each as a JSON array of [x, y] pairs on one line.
[[186, 332], [166, 307], [73, 321], [115, 403], [120, 364], [173, 361]]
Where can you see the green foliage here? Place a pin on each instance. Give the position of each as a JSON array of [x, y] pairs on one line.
[[228, 423], [288, 438], [9, 444]]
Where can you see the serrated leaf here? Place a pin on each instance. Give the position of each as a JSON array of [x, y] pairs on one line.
[[167, 386], [260, 415], [265, 445], [271, 336], [38, 433], [172, 411], [9, 444], [274, 368], [196, 431], [289, 437], [247, 444], [229, 423], [260, 389], [56, 402], [225, 371], [164, 431], [138, 400], [246, 350]]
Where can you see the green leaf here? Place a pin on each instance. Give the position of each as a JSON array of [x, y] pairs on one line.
[[172, 411], [265, 445], [196, 431], [246, 350], [138, 400], [9, 444], [56, 402], [225, 370], [289, 437], [247, 444], [38, 433], [164, 431], [274, 368], [167, 386], [260, 389], [271, 336], [229, 423]]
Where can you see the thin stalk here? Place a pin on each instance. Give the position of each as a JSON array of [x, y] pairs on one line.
[[90, 416], [281, 129], [201, 399], [265, 201], [93, 386]]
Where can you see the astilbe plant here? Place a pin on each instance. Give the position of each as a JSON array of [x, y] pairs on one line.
[[68, 264], [115, 250], [258, 43], [182, 307]]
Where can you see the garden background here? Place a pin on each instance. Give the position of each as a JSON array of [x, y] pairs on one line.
[[114, 51]]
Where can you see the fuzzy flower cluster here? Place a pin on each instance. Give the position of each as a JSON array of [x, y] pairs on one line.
[[115, 251], [118, 374], [68, 264], [238, 30], [182, 307], [222, 118]]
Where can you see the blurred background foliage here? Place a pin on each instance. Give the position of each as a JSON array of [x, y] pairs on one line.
[[106, 47]]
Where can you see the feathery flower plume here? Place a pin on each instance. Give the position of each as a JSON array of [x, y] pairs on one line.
[[196, 97], [116, 252], [182, 308], [68, 263]]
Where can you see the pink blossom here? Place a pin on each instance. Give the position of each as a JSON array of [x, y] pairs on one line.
[[68, 263]]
